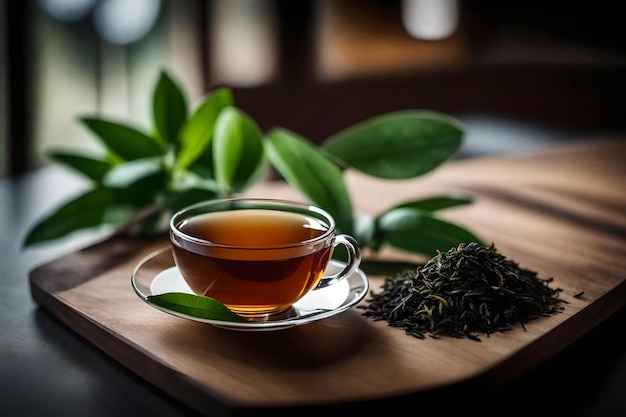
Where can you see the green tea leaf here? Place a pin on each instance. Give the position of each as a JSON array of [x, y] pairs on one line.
[[92, 168], [185, 180], [397, 145], [309, 171], [141, 199], [238, 153], [169, 107], [364, 229], [198, 131], [125, 174], [419, 231], [85, 211], [142, 191], [126, 142], [195, 306], [436, 203], [203, 165]]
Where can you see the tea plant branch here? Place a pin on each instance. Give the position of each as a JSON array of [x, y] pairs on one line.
[[216, 150]]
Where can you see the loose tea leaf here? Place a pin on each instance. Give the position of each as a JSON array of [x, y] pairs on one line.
[[467, 291]]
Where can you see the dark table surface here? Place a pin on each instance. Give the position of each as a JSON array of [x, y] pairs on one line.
[[48, 370]]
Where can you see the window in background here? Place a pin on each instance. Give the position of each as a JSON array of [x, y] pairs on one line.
[[243, 42], [4, 130], [104, 62], [378, 39]]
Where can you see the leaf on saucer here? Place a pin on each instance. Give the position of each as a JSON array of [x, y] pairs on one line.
[[196, 306]]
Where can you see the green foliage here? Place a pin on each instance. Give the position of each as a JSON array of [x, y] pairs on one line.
[[216, 151], [169, 106], [85, 211], [238, 153], [308, 170], [397, 145], [123, 142], [93, 168], [419, 231], [197, 132]]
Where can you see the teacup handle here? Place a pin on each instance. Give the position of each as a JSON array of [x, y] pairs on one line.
[[354, 260]]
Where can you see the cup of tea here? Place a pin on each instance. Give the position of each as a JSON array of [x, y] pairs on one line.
[[257, 256]]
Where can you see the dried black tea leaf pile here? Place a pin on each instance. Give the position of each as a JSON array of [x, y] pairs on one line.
[[467, 291]]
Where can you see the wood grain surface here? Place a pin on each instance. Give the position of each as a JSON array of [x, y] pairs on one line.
[[560, 211]]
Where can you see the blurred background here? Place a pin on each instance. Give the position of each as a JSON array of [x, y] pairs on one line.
[[518, 74]]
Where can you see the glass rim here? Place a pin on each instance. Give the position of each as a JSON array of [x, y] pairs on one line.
[[274, 202]]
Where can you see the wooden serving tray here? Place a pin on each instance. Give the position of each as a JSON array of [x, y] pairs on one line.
[[560, 212]]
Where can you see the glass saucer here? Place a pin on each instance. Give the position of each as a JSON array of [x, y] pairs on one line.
[[157, 274]]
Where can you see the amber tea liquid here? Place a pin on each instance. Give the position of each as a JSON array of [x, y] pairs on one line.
[[259, 261]]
